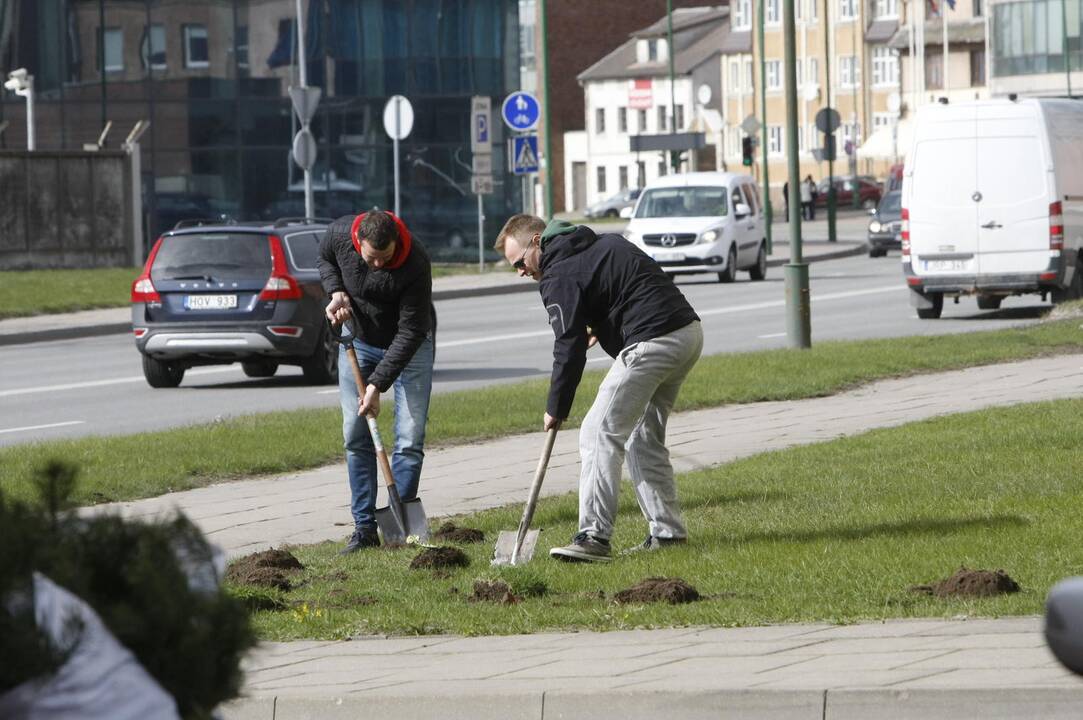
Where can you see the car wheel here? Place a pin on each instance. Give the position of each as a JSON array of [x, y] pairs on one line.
[[934, 312], [612, 214], [868, 204], [257, 369], [321, 368], [162, 374], [759, 270], [990, 302], [875, 252], [730, 273]]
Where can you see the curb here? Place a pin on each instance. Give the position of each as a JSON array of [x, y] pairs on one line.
[[22, 338]]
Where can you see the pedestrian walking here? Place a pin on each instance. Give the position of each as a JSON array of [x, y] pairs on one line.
[[786, 201], [602, 289], [806, 199], [814, 193], [380, 279]]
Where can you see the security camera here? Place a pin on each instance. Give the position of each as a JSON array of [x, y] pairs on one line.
[[17, 80]]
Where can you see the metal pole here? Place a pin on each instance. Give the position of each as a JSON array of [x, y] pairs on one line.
[[395, 152], [831, 237], [545, 109], [769, 214], [946, 82], [1067, 55], [855, 68], [303, 75], [798, 310], [31, 135], [481, 235], [674, 155]]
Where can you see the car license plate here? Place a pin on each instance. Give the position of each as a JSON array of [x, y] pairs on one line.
[[945, 265], [210, 302], [669, 257]]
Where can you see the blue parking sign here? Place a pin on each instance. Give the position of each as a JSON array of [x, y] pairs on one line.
[[520, 111], [525, 154]]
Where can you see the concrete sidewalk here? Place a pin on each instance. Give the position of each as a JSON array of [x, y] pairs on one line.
[[925, 669], [90, 323]]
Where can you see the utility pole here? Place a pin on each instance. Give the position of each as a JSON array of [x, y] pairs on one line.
[[831, 237], [545, 110], [1064, 41], [303, 75], [675, 155], [769, 210], [798, 308]]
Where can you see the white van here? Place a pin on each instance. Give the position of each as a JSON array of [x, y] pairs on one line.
[[992, 202], [702, 222]]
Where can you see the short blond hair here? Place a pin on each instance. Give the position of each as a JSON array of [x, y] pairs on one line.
[[517, 227]]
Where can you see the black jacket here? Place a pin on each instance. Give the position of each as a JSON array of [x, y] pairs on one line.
[[392, 309], [612, 286]]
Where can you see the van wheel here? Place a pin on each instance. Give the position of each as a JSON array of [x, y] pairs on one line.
[[256, 369], [990, 302], [759, 270], [932, 313], [1073, 291], [321, 368], [730, 273], [161, 374], [877, 252]]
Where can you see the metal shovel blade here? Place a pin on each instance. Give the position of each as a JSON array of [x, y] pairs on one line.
[[417, 524], [505, 553]]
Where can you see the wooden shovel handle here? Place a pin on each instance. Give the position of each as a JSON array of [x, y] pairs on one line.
[[374, 430]]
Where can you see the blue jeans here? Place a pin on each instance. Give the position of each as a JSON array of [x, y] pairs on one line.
[[412, 390]]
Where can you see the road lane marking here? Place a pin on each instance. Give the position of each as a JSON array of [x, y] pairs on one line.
[[105, 383], [43, 427]]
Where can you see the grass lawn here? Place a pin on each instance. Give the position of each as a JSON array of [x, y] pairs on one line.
[[150, 464], [39, 292], [836, 532]]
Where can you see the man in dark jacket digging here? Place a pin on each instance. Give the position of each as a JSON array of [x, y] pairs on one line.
[[603, 289], [380, 279]]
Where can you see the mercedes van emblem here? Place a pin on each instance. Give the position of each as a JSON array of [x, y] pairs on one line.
[[669, 240]]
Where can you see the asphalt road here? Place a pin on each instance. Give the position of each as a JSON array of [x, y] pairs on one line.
[[74, 388]]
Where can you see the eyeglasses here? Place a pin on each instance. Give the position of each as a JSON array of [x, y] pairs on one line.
[[520, 264]]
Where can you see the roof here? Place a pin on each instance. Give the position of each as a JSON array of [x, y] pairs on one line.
[[970, 30], [881, 30], [702, 35], [695, 179]]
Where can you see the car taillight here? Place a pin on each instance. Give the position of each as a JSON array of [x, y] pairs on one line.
[[139, 332], [281, 285], [285, 330], [905, 232], [143, 290], [1056, 226]]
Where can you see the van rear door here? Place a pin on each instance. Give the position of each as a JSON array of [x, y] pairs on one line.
[[1014, 175], [943, 212]]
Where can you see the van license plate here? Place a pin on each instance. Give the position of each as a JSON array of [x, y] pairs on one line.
[[210, 302], [668, 257], [945, 265]]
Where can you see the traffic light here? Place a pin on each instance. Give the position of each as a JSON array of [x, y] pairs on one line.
[[746, 151], [676, 157]]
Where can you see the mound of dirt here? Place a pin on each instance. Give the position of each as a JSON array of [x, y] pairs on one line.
[[971, 583], [450, 532], [659, 589], [439, 557], [270, 568], [493, 591]]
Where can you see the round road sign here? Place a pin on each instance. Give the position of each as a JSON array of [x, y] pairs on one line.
[[828, 120], [398, 117], [304, 149]]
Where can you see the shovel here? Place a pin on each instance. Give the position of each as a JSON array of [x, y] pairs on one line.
[[399, 520], [516, 548]]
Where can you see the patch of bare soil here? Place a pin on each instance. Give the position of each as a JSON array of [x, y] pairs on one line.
[[450, 532], [493, 591], [270, 568], [438, 558], [971, 583], [340, 599], [659, 589]]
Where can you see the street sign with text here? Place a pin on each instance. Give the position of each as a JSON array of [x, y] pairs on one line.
[[482, 184], [481, 121]]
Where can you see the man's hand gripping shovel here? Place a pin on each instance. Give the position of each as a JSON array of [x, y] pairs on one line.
[[400, 522]]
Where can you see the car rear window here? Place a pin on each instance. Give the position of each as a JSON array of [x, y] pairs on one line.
[[683, 202], [184, 256], [303, 249]]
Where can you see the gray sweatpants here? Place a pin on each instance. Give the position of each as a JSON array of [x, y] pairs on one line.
[[629, 416]]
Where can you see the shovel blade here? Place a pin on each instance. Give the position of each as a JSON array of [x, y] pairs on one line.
[[505, 548], [417, 523]]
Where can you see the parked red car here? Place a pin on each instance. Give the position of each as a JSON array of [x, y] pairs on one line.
[[869, 192]]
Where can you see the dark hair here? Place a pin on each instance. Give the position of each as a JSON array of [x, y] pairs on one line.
[[378, 229]]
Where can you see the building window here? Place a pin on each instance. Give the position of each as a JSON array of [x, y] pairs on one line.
[[814, 70], [623, 177], [662, 168], [652, 50], [642, 121], [933, 75], [800, 77], [847, 9], [112, 50], [641, 173], [599, 120], [241, 43], [979, 11], [152, 50], [849, 71], [813, 138], [742, 14], [977, 68], [774, 74], [622, 119], [749, 83], [601, 180], [772, 12], [196, 53], [885, 67], [800, 138], [881, 120], [814, 10], [885, 9], [774, 139], [679, 119], [661, 118]]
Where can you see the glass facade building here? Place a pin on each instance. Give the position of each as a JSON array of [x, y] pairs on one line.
[[1034, 37], [212, 77]]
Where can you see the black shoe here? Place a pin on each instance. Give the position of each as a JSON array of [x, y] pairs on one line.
[[583, 548], [655, 543], [365, 537]]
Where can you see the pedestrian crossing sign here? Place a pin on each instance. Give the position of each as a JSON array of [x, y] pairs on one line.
[[525, 154]]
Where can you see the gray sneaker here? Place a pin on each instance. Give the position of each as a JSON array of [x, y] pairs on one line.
[[654, 543], [584, 548]]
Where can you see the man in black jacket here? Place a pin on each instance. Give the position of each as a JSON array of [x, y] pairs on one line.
[[380, 279], [603, 289]]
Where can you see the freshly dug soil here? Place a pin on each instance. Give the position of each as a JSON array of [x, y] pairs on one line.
[[440, 557], [270, 568], [493, 591], [971, 583], [659, 589], [450, 532]]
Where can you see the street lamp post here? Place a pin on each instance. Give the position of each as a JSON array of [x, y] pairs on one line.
[[768, 208], [22, 84], [798, 308]]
